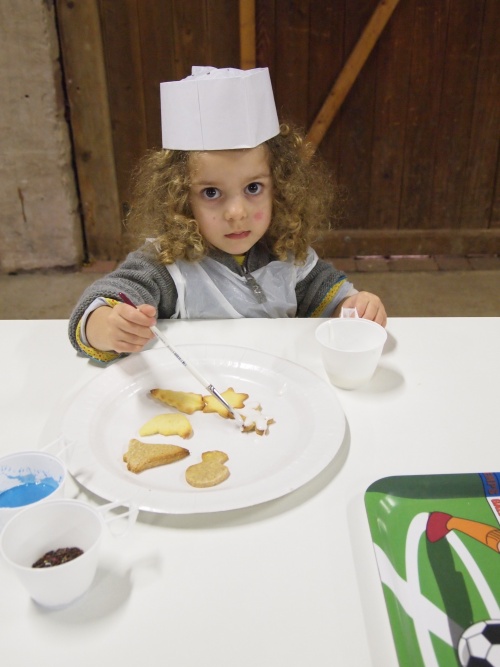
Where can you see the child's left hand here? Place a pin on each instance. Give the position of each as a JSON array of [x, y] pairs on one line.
[[368, 306]]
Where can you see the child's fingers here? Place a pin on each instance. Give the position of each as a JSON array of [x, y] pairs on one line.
[[143, 316], [130, 328], [376, 313], [371, 307], [127, 341], [368, 306], [148, 310]]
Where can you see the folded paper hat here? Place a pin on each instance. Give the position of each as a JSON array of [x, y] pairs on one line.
[[218, 109]]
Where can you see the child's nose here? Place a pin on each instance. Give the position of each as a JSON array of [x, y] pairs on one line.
[[235, 210]]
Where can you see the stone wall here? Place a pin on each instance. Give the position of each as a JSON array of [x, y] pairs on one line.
[[40, 226]]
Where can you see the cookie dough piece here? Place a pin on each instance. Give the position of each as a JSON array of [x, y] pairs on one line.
[[167, 424], [142, 456], [235, 400], [210, 472], [183, 401]]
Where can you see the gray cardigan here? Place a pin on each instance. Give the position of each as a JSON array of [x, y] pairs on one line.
[[146, 280]]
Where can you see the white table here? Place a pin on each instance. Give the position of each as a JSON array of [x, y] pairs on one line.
[[289, 582]]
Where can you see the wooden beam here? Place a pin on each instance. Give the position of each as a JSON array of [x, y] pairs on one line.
[[351, 69], [362, 242], [86, 87], [247, 34]]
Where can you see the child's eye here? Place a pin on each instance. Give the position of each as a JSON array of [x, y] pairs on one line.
[[211, 193], [254, 188]]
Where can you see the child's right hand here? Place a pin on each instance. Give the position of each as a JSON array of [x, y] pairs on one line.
[[121, 329]]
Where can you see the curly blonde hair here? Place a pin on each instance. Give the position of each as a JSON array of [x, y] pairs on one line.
[[303, 197]]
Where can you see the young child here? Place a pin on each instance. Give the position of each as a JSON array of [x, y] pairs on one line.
[[232, 204]]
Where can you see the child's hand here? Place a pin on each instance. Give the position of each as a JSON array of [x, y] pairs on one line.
[[368, 306], [121, 329]]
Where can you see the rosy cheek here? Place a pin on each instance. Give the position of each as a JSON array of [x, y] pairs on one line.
[[259, 215]]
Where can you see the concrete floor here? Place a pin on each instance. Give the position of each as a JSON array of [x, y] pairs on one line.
[[408, 288]]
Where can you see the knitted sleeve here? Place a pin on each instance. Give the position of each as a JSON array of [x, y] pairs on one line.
[[91, 352], [142, 277], [321, 291]]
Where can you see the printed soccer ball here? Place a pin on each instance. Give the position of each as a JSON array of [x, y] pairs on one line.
[[479, 645]]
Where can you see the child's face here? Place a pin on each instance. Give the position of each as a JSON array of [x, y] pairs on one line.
[[231, 197]]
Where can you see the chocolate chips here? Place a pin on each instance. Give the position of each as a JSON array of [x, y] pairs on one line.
[[58, 557]]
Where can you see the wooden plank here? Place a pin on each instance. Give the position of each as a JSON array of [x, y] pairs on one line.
[[223, 38], [248, 57], [86, 86], [292, 37], [456, 110], [192, 46], [391, 101], [326, 57], [351, 69], [478, 197], [386, 242], [429, 41], [494, 222], [265, 36], [156, 36], [356, 122], [123, 59]]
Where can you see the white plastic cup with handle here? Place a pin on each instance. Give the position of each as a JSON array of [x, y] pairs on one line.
[[350, 349], [57, 524], [29, 478]]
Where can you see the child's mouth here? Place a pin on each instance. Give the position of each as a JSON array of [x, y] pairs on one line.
[[237, 236]]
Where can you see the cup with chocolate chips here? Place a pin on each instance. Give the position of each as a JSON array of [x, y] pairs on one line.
[[54, 547]]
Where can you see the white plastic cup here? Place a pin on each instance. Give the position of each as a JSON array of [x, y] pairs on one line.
[[350, 349], [56, 524], [19, 471]]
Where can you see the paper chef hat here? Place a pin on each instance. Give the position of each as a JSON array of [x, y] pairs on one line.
[[218, 109]]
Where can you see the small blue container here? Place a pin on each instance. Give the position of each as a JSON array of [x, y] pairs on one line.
[[29, 478]]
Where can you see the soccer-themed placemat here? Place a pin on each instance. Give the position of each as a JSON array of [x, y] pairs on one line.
[[436, 540]]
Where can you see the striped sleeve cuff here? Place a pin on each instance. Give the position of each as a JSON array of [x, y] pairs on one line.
[[98, 355], [337, 293]]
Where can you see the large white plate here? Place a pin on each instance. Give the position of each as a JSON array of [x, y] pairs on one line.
[[109, 411]]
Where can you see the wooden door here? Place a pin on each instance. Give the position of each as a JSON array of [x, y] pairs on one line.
[[414, 145]]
